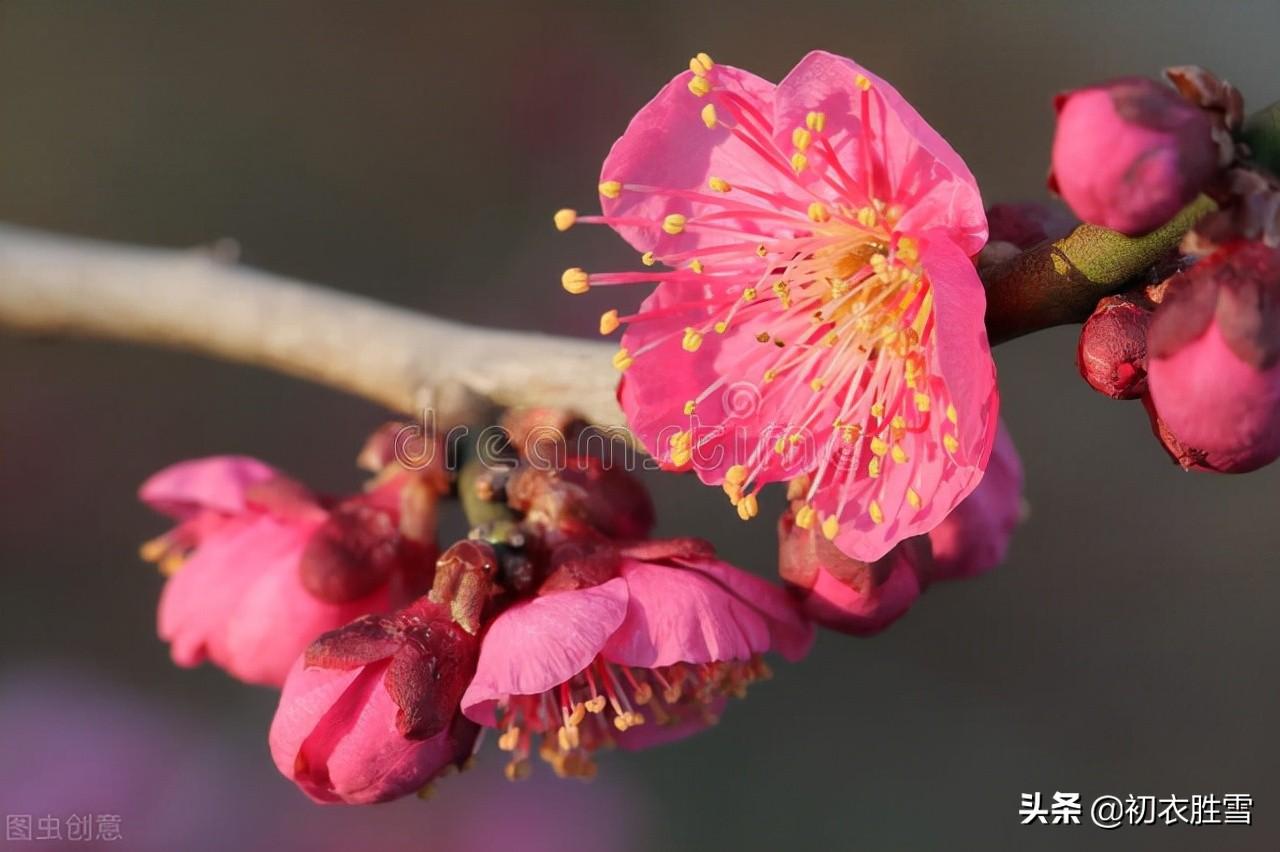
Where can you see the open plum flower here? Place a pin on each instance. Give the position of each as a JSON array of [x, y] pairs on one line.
[[635, 646], [259, 566], [821, 319]]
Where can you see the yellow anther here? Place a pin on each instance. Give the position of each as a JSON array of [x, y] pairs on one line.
[[830, 527], [719, 184], [643, 694], [673, 224], [877, 410], [509, 740], [681, 456], [894, 213], [595, 705], [876, 513], [579, 713], [610, 189], [737, 474], [762, 250], [805, 516], [518, 770], [692, 340], [913, 498], [622, 360], [831, 339], [816, 385], [721, 327], [815, 121], [862, 82], [818, 212], [781, 288], [565, 218], [689, 407], [801, 138], [878, 446], [873, 467], [709, 116], [798, 487], [681, 439], [696, 266], [701, 64], [749, 294], [609, 322], [647, 259], [748, 507], [867, 218], [699, 86], [950, 442], [899, 455], [908, 250], [898, 422], [922, 401], [576, 281], [780, 446], [951, 413], [770, 375], [799, 161]]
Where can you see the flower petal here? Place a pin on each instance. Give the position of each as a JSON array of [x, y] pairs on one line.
[[668, 145], [911, 164], [217, 482], [541, 643], [676, 615]]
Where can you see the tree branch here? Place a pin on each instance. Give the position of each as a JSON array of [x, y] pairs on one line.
[[407, 361], [410, 362]]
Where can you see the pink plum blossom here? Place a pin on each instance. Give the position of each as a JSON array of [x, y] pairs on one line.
[[636, 646], [1129, 153], [1214, 371], [259, 566], [817, 316]]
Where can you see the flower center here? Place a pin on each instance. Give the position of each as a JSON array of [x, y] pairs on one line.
[[569, 723]]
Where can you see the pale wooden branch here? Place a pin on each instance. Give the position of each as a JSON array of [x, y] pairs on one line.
[[191, 300]]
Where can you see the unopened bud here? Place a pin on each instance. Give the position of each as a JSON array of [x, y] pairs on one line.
[[1112, 353]]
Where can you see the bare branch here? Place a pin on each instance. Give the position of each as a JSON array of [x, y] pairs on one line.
[[54, 285]]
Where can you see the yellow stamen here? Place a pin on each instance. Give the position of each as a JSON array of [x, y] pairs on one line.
[[878, 446], [610, 189], [899, 455], [876, 513], [805, 516], [867, 219], [647, 258], [576, 281], [801, 138], [622, 360], [951, 413], [673, 224], [873, 467], [721, 327], [748, 507], [689, 407], [701, 64], [950, 442], [830, 527], [700, 86], [908, 251], [922, 402], [817, 212], [862, 82], [565, 218], [696, 266], [737, 474], [913, 498], [719, 184], [692, 340], [709, 116], [799, 161], [816, 385], [609, 322], [798, 487], [749, 294], [815, 121]]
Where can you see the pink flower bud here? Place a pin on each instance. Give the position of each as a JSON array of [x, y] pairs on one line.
[[1112, 353], [845, 594], [371, 711], [1215, 361], [975, 536], [1129, 154]]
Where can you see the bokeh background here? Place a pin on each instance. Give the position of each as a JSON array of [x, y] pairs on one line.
[[414, 152]]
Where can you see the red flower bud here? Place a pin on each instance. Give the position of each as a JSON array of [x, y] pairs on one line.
[[1112, 354], [845, 594], [1215, 361], [1130, 153]]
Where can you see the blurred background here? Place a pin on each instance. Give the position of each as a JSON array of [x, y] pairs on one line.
[[415, 152]]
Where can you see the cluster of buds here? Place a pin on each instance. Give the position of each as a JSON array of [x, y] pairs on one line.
[[1197, 341]]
